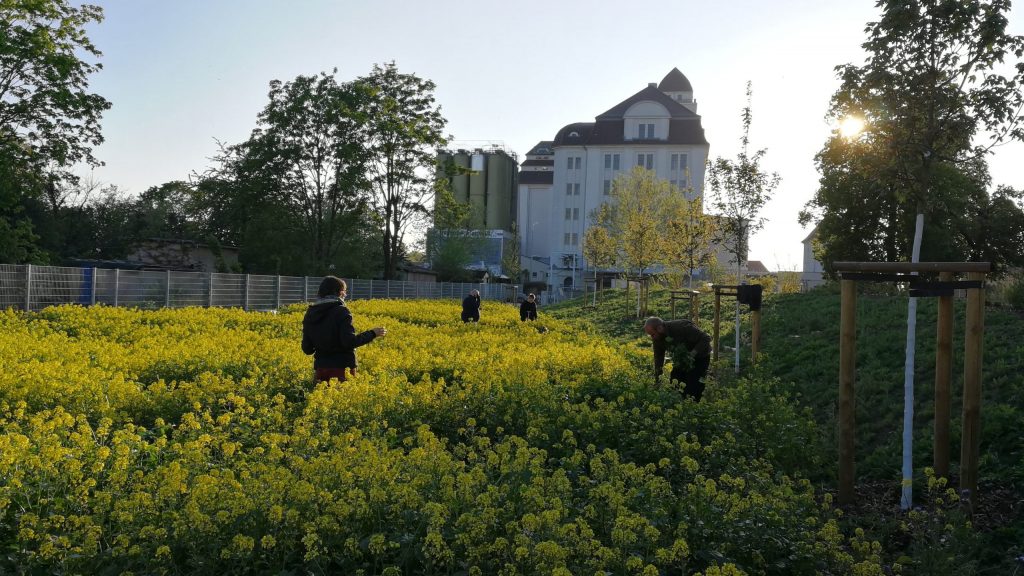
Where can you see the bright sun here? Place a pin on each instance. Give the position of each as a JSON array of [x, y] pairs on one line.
[[851, 126]]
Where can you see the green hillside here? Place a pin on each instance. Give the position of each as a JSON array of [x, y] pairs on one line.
[[800, 345]]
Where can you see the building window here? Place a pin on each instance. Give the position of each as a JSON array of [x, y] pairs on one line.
[[569, 160], [645, 161], [679, 171], [575, 213], [576, 189], [567, 239], [568, 213], [579, 160], [568, 189], [607, 187], [646, 131], [575, 239], [611, 161]]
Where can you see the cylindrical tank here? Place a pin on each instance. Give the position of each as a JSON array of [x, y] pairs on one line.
[[460, 182], [477, 190], [498, 192]]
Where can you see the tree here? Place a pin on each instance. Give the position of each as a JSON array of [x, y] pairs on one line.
[[635, 218], [741, 189], [599, 248], [511, 263], [689, 236], [48, 119], [452, 242], [404, 130], [932, 81], [293, 195]]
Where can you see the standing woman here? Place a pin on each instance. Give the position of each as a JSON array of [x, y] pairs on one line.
[[471, 307], [528, 309], [328, 333]]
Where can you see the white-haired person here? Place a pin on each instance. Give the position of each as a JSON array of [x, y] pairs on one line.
[[690, 350]]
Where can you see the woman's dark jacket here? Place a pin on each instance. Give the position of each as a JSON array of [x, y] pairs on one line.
[[528, 311], [471, 307], [328, 334]]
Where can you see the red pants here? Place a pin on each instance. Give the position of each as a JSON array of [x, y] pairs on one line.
[[325, 374]]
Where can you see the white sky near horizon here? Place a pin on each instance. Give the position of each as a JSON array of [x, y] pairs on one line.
[[183, 75]]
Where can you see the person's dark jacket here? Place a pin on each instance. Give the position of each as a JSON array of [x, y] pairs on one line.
[[685, 333], [528, 311], [328, 334], [471, 307]]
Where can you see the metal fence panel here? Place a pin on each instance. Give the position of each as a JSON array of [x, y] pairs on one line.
[[34, 287]]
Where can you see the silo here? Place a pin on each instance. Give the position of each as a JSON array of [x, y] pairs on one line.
[[477, 189], [460, 182], [498, 191]]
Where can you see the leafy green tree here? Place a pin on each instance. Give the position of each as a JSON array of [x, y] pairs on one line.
[[511, 263], [48, 119], [452, 242], [741, 189], [935, 100], [599, 249], [403, 132], [294, 195], [688, 242], [635, 218], [940, 88]]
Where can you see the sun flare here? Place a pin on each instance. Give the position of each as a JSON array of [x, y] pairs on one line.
[[851, 126]]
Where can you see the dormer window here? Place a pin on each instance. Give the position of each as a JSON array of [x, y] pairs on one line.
[[646, 131], [574, 134]]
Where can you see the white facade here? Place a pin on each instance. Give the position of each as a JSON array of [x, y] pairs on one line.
[[657, 128], [813, 271]]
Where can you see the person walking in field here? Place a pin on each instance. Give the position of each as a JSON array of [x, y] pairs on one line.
[[528, 309], [471, 307], [690, 349], [328, 333]]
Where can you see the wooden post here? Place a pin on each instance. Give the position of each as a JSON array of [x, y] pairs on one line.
[[847, 364], [755, 334], [245, 297], [117, 285], [715, 327], [943, 376], [973, 337], [672, 298], [167, 293], [209, 290], [695, 308], [277, 304]]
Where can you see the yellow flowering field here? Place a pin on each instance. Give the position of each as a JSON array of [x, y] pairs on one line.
[[192, 441]]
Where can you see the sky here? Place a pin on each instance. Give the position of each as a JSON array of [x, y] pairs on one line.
[[185, 75]]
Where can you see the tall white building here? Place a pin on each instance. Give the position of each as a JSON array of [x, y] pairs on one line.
[[562, 181]]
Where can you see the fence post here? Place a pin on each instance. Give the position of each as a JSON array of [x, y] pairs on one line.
[[278, 293], [28, 288], [209, 292], [974, 333], [167, 295], [245, 300], [305, 288], [387, 291], [92, 289], [847, 398], [117, 285]]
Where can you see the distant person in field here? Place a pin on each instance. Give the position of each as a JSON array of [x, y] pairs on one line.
[[471, 307], [328, 334], [690, 349], [528, 309]]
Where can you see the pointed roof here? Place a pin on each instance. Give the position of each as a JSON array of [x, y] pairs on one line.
[[675, 109], [674, 81]]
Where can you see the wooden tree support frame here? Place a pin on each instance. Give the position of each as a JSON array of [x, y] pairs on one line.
[[755, 317], [852, 272], [691, 296]]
